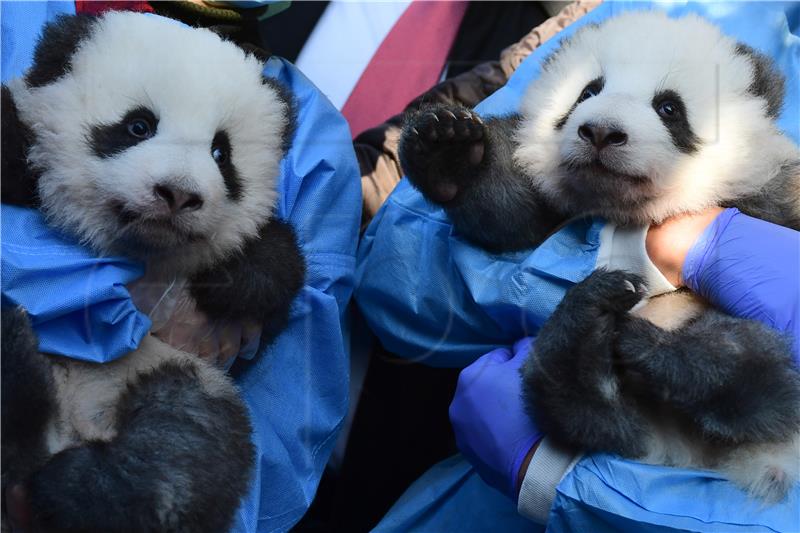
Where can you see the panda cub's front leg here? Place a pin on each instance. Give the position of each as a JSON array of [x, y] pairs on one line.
[[443, 149], [258, 284], [466, 165], [571, 386]]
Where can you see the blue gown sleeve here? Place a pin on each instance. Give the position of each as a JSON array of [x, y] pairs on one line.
[[297, 391], [78, 303], [432, 297], [20, 23], [605, 493]]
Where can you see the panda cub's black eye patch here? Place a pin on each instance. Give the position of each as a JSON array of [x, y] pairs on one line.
[[221, 153], [108, 140], [593, 88], [670, 108]]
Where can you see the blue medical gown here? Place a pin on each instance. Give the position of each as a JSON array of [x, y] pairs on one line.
[[297, 391], [432, 297]]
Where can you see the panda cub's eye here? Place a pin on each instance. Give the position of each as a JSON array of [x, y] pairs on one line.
[[667, 109], [221, 149], [140, 128], [593, 89], [219, 154], [669, 106], [587, 93]]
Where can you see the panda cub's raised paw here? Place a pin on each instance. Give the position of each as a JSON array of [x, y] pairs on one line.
[[439, 146], [442, 126]]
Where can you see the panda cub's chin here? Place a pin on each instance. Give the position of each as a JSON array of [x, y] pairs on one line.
[[149, 237], [602, 190], [148, 234]]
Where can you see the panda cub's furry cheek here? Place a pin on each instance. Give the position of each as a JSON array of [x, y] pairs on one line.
[[108, 140]]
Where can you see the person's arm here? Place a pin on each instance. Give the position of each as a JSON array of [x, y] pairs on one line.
[[78, 303], [669, 243]]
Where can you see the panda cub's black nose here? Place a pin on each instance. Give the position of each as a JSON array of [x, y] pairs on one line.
[[178, 201], [602, 136]]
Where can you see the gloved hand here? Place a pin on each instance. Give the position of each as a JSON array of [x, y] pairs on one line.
[[492, 429], [744, 266], [748, 268]]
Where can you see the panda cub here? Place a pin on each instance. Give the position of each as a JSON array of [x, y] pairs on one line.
[[636, 119], [143, 137]]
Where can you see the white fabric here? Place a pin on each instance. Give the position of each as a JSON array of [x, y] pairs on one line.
[[548, 466], [343, 42], [623, 248]]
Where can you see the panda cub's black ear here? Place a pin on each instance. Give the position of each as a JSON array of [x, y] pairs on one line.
[[56, 46], [286, 96], [768, 82], [17, 179]]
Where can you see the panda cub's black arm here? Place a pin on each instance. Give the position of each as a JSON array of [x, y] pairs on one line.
[[466, 165], [259, 283]]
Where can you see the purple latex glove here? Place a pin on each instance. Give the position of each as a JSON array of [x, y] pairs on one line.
[[749, 268], [492, 429]]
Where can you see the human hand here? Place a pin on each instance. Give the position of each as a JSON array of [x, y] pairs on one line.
[[178, 322], [218, 342], [668, 243], [492, 429], [744, 266]]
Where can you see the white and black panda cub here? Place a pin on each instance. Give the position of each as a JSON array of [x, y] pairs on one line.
[[143, 137], [636, 119]]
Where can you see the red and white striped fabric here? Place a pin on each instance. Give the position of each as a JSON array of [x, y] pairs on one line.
[[95, 7], [372, 58]]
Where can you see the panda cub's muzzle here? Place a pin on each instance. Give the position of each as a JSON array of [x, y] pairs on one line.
[[598, 151], [165, 219], [601, 136]]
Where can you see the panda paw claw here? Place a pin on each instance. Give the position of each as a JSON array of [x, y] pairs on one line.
[[613, 291], [443, 127], [439, 147]]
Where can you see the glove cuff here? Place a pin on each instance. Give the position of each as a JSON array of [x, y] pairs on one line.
[[549, 465]]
